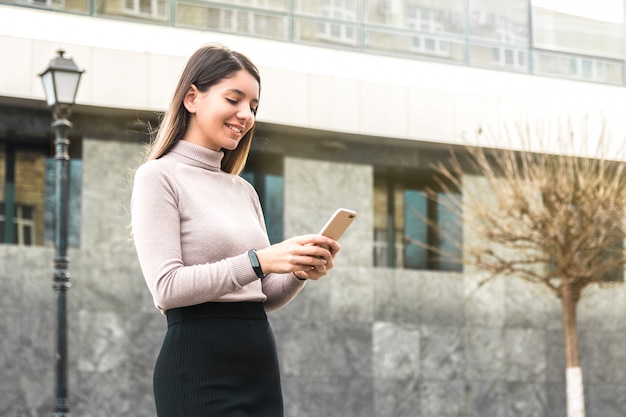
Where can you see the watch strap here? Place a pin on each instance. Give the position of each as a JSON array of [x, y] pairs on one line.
[[256, 265]]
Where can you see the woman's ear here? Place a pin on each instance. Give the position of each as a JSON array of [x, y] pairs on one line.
[[189, 101]]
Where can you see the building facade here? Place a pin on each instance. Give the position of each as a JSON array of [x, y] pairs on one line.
[[359, 99]]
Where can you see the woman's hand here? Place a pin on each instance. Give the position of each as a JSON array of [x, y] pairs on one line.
[[307, 256]]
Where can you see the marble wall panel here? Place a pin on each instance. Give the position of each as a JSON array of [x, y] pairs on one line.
[[308, 396], [485, 398], [396, 296], [351, 294], [599, 308], [529, 305], [103, 342], [605, 400], [36, 272], [326, 397], [526, 355], [440, 298], [443, 398], [397, 397], [485, 354], [107, 185], [396, 350], [485, 303], [601, 356], [556, 400], [110, 281], [442, 351], [525, 400]]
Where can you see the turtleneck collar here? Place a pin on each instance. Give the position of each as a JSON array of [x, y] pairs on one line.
[[198, 155]]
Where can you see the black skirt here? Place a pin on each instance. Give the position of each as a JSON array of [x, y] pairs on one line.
[[218, 359]]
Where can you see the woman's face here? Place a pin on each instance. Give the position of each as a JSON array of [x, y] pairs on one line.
[[223, 114]]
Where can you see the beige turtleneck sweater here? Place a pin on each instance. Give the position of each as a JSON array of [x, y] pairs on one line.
[[193, 225]]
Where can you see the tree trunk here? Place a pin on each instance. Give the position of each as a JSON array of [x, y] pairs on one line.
[[573, 372]]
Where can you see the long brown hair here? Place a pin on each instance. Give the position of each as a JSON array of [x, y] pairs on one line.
[[206, 67]]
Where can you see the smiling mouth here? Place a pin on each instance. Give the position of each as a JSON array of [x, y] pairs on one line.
[[234, 128]]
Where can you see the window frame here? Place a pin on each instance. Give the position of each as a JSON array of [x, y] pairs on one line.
[[390, 253]]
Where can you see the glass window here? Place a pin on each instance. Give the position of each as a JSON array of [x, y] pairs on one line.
[[157, 10], [414, 230], [501, 57], [503, 21], [150, 9], [23, 227], [336, 27], [244, 22], [578, 68], [74, 202], [59, 4], [343, 10], [409, 44], [79, 6], [22, 179], [587, 27], [279, 5], [265, 173], [420, 15], [326, 32]]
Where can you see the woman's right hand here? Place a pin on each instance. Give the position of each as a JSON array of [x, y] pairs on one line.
[[312, 254]]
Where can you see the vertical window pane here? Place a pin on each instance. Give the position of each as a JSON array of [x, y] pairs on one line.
[[504, 21], [274, 207], [450, 233], [340, 10], [29, 197], [74, 203], [415, 229], [280, 5], [380, 224], [1, 222], [420, 15], [265, 174]]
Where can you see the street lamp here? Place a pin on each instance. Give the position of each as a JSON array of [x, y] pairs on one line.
[[60, 84]]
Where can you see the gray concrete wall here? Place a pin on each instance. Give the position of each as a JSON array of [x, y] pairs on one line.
[[362, 342]]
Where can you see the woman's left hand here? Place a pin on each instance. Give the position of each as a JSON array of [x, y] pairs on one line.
[[307, 256]]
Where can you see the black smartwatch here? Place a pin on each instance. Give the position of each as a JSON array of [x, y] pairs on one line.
[[256, 265]]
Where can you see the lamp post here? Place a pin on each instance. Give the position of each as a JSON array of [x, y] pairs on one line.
[[60, 83]]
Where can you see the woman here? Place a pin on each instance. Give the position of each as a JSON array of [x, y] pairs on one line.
[[204, 251]]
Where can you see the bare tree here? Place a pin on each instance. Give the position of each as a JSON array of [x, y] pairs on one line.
[[550, 218]]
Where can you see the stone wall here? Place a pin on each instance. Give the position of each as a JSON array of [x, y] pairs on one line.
[[362, 342]]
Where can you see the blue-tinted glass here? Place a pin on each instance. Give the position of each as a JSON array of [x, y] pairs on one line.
[[450, 236], [415, 229], [1, 222], [273, 207], [74, 204], [248, 176]]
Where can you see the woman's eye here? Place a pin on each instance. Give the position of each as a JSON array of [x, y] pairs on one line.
[[231, 101]]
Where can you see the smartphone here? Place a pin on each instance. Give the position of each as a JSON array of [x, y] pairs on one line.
[[338, 223]]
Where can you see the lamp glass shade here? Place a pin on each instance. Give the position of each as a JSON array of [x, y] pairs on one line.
[[60, 81], [60, 86], [48, 87], [66, 86]]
